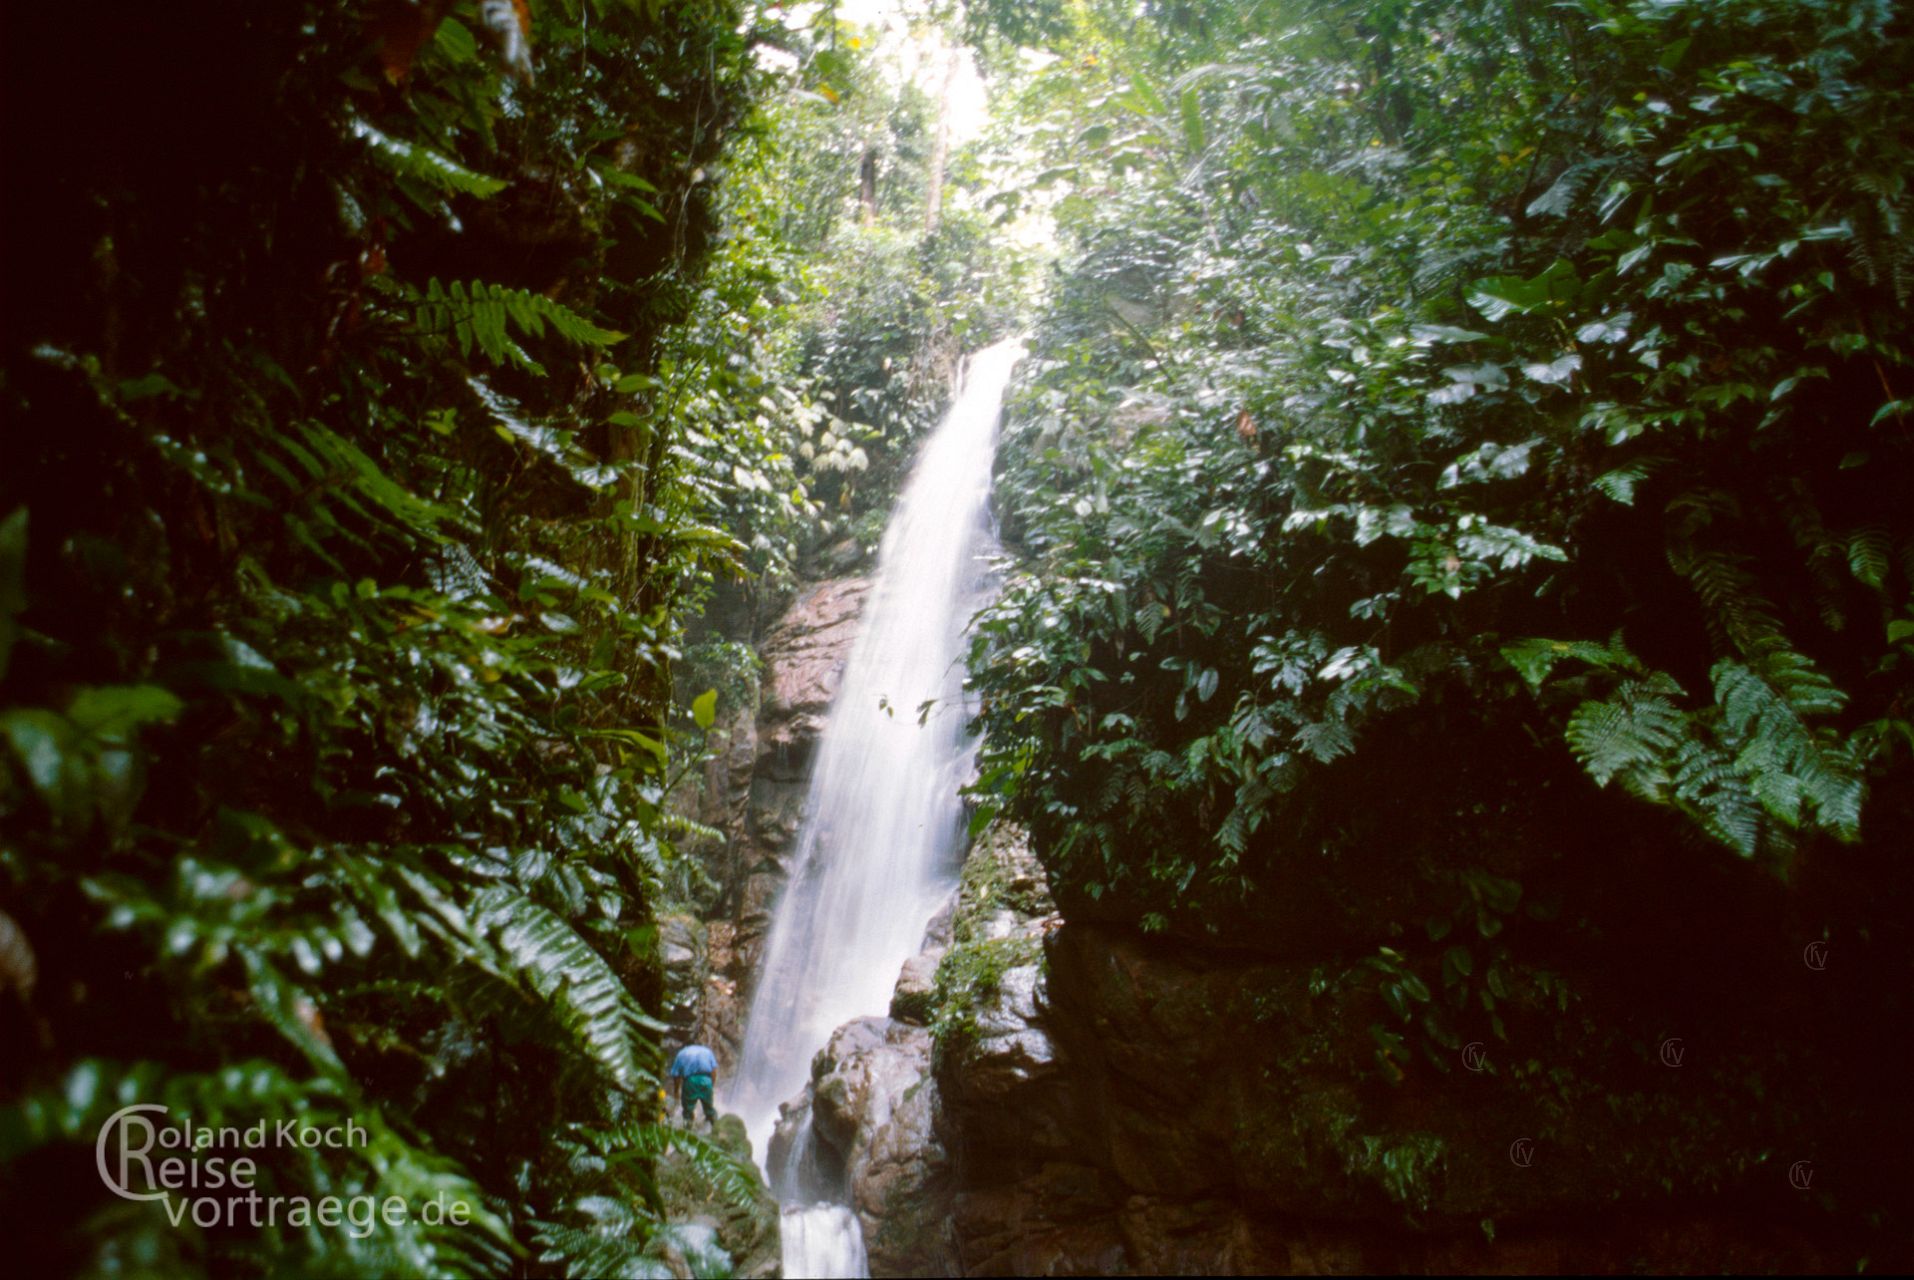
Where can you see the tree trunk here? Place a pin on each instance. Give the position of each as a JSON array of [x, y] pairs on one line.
[[867, 187], [940, 149]]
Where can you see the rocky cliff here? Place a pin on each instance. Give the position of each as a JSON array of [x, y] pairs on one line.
[[752, 794], [1075, 1099]]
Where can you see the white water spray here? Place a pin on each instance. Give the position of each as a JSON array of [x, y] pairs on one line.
[[883, 822], [822, 1242]]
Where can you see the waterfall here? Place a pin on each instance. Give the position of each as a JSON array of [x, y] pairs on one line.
[[822, 1240], [882, 831]]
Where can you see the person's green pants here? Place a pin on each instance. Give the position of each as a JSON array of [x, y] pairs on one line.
[[697, 1089]]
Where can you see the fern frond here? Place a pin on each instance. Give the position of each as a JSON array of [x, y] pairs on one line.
[[1791, 766], [1713, 791], [1620, 483], [1631, 733], [1325, 740], [1826, 554], [1233, 835], [422, 164], [1869, 553], [1738, 615], [484, 316], [1534, 658], [734, 1181], [679, 824], [583, 1253], [544, 953]]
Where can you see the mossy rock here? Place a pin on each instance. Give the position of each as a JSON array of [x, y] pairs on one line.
[[747, 1228], [1002, 885]]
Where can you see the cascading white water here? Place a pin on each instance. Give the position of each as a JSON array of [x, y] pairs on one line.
[[877, 848], [822, 1240]]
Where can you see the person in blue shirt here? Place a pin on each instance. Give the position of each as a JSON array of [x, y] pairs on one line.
[[693, 1069]]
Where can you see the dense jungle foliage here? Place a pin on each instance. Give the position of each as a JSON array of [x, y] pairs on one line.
[[1462, 476], [828, 331], [388, 388], [1459, 526]]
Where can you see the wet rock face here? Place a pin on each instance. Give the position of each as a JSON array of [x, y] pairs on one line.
[[1113, 1104], [804, 659], [682, 952], [721, 1013], [753, 791], [872, 1110], [1054, 1221], [1215, 1076], [914, 998], [858, 1076], [900, 1187], [998, 1068], [803, 1170], [1006, 1094]]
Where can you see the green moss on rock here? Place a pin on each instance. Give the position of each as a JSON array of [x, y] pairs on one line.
[[741, 1210]]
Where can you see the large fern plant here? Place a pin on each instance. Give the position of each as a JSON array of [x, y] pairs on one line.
[[337, 606]]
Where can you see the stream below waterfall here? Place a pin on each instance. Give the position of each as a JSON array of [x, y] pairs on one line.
[[882, 834]]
